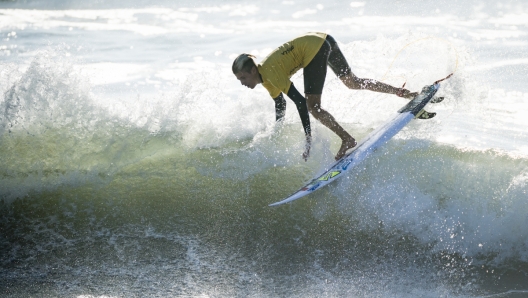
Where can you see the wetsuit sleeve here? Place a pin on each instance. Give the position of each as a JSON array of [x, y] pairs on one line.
[[302, 108], [280, 107]]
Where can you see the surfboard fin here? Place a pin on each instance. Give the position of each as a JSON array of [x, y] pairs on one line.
[[423, 114], [437, 99]]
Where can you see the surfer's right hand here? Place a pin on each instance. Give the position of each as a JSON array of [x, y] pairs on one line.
[[306, 153]]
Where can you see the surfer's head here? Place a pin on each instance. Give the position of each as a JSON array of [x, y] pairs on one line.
[[246, 71], [244, 62]]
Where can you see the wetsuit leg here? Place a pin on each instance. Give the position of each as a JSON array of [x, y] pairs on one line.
[[315, 71], [314, 78], [336, 59]]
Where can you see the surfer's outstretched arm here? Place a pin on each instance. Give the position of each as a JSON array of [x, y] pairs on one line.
[[280, 107], [302, 108], [354, 82]]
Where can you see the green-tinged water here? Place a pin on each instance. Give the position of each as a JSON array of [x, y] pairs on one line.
[[145, 212]]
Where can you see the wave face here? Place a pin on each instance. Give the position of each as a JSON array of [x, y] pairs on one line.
[[152, 179]]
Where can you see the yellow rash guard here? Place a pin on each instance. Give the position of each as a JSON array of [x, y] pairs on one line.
[[278, 67]]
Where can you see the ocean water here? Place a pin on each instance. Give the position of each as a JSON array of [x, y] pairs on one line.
[[134, 164]]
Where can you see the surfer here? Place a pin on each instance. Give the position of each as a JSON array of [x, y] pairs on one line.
[[312, 52]]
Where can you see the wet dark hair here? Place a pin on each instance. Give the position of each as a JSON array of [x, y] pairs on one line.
[[244, 62]]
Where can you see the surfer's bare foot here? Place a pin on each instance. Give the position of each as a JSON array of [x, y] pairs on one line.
[[351, 143]]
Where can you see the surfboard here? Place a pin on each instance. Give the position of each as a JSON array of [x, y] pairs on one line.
[[413, 109]]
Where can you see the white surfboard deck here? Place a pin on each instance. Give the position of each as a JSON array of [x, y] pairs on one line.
[[373, 141]]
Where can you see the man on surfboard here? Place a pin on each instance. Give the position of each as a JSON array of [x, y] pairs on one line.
[[312, 52]]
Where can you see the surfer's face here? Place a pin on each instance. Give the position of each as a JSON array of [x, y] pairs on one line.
[[248, 79]]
